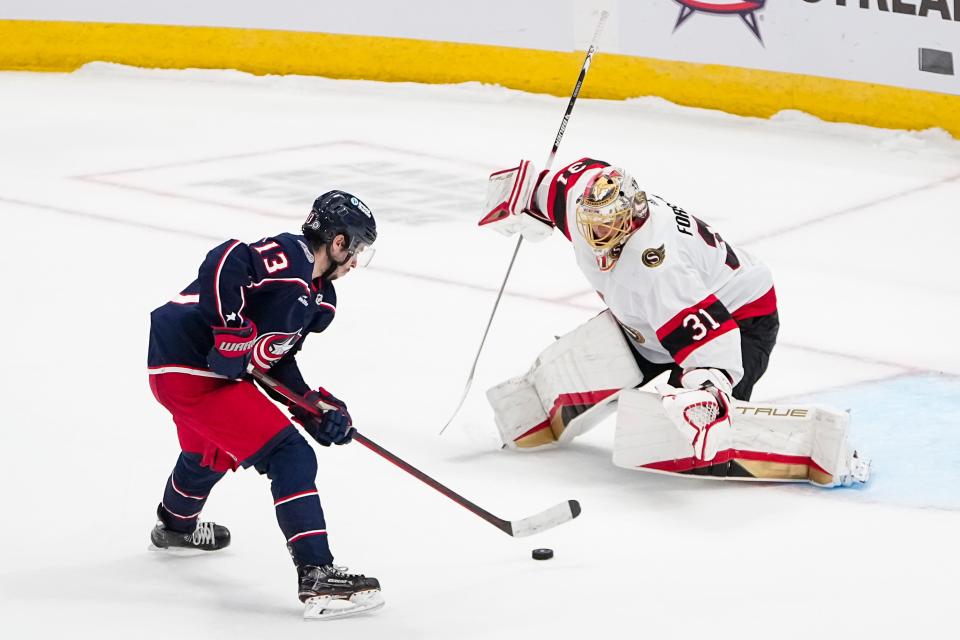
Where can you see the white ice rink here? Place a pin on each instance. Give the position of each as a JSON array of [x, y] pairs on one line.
[[115, 182]]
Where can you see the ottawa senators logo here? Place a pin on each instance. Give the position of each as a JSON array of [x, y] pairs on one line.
[[746, 9], [654, 257]]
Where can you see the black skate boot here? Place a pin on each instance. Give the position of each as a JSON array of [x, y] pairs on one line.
[[208, 536], [330, 592]]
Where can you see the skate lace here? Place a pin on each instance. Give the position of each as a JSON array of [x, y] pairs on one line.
[[203, 534], [339, 571]]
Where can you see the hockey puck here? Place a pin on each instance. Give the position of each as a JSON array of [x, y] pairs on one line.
[[542, 554]]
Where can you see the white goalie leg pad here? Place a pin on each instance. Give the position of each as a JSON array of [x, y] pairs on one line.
[[570, 388], [518, 412], [768, 442]]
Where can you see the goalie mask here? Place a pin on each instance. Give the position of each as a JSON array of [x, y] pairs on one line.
[[610, 209]]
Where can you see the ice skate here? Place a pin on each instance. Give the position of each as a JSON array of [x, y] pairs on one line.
[[208, 536], [330, 592]]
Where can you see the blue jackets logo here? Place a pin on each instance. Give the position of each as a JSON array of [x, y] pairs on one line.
[[272, 346], [746, 9]]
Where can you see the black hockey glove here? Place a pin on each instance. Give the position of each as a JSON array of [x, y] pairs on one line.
[[333, 426], [232, 348]]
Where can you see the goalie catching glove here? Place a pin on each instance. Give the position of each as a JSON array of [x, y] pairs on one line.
[[511, 206], [701, 410], [332, 426]]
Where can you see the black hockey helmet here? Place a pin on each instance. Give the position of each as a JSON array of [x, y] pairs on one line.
[[338, 212]]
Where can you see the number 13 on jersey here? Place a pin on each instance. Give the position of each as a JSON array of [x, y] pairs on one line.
[[274, 260]]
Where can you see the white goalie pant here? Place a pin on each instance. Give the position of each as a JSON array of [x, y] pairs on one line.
[[769, 442], [569, 389]]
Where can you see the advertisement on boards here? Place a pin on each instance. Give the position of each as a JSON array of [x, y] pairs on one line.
[[903, 43]]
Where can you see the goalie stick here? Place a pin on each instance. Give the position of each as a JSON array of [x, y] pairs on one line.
[[547, 519], [553, 154]]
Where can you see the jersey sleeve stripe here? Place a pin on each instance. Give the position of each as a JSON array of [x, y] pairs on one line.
[[676, 321], [694, 327], [216, 281], [762, 306], [266, 281], [684, 351]]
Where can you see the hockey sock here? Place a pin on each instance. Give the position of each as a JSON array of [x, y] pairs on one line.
[[292, 469], [186, 492]]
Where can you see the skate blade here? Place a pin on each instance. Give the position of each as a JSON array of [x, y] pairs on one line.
[[179, 552], [330, 607]]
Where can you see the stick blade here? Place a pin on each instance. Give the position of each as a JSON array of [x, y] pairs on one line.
[[552, 517]]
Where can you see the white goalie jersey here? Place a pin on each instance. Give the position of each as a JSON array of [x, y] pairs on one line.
[[677, 288]]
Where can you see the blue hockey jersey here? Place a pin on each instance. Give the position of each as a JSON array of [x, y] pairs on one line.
[[268, 282]]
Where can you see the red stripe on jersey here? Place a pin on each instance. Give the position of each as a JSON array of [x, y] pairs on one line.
[[684, 353], [676, 321], [694, 327], [725, 456], [762, 306]]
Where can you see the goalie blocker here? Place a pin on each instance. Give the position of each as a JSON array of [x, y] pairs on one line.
[[584, 375]]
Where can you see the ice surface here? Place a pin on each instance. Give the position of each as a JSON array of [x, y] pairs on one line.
[[113, 184], [909, 426]]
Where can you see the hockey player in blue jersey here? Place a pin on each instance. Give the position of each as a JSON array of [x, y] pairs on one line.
[[253, 305]]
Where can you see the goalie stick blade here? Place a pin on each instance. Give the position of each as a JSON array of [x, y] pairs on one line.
[[544, 520]]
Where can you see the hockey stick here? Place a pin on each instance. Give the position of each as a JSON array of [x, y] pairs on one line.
[[542, 521], [591, 50]]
